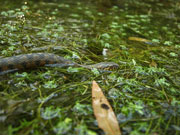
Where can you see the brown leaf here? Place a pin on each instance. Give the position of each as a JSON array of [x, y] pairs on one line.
[[153, 64], [138, 39], [103, 112]]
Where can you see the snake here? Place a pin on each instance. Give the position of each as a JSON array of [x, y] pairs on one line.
[[34, 60]]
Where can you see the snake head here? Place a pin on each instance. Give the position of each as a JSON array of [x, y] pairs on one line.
[[106, 65]]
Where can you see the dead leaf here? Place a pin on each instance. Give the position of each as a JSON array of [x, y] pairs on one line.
[[103, 112], [153, 64], [138, 39]]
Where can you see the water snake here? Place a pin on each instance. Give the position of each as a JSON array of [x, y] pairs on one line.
[[33, 60]]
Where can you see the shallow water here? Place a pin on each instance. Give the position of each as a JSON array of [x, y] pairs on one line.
[[142, 37]]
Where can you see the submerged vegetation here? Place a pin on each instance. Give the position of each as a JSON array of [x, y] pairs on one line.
[[144, 91]]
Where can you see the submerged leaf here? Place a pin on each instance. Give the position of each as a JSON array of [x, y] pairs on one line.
[[103, 112]]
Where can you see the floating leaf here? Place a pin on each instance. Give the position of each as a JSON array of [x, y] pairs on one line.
[[153, 64], [103, 112], [141, 40], [138, 39]]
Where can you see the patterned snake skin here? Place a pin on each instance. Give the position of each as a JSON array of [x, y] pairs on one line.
[[33, 60]]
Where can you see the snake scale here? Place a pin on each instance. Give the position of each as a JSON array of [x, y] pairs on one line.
[[34, 60]]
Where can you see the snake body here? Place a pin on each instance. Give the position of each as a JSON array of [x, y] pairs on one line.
[[33, 60]]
